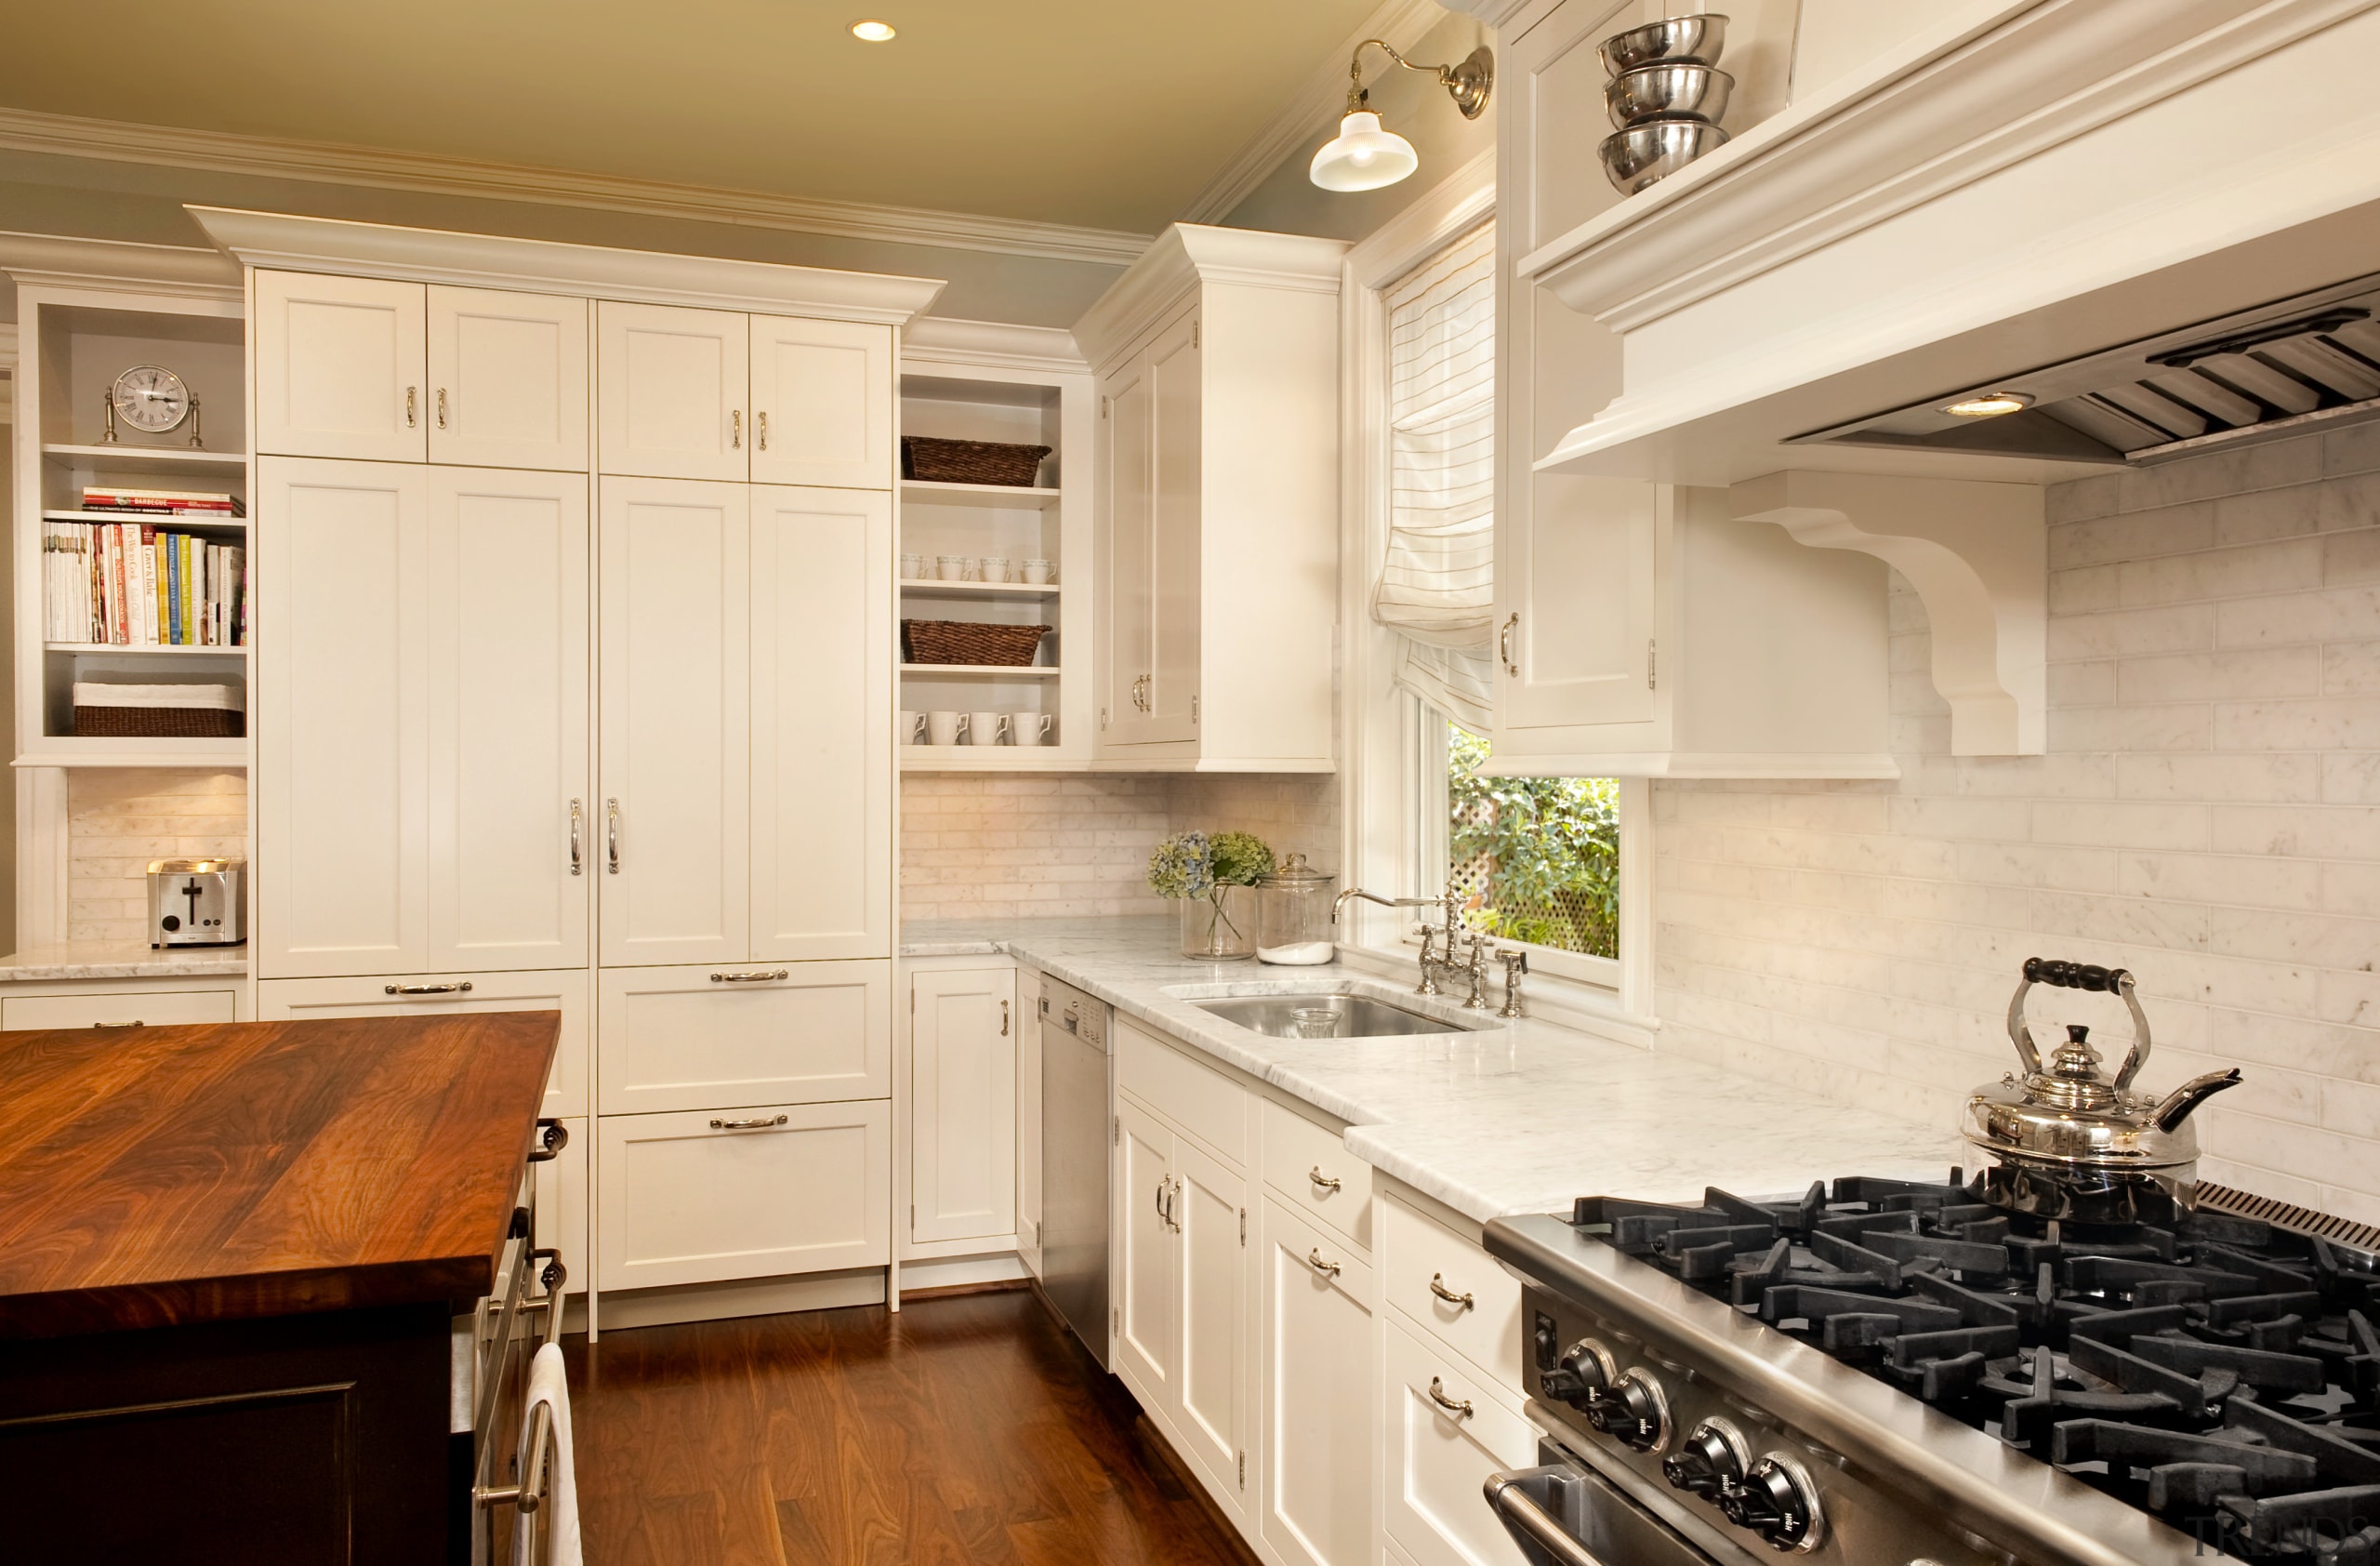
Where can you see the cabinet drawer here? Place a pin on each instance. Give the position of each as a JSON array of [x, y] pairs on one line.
[[1200, 1100], [1439, 1458], [158, 1008], [704, 1037], [1302, 1159], [706, 1196], [418, 994], [1417, 1252]]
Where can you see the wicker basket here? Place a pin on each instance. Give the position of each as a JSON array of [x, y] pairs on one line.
[[112, 711], [1009, 647], [925, 456]]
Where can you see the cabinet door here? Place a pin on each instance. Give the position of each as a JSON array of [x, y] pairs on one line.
[[1210, 1214], [822, 723], [822, 402], [1028, 1120], [1126, 607], [449, 994], [508, 379], [670, 385], [671, 831], [339, 367], [963, 1034], [1576, 595], [1444, 1433], [1318, 1392], [762, 1192], [342, 722], [1177, 435], [510, 844], [1147, 1265], [700, 1038]]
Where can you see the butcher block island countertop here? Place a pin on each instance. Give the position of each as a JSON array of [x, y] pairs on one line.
[[169, 1176]]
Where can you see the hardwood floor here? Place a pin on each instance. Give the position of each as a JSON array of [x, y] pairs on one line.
[[968, 1431]]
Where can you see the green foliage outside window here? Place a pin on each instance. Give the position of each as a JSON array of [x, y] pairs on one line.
[[1543, 853]]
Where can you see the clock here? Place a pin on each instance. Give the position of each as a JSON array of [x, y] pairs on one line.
[[150, 398]]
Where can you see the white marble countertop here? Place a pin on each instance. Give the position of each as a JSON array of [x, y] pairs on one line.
[[116, 960], [1519, 1117]]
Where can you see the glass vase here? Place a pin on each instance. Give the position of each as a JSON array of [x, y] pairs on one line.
[[1221, 926]]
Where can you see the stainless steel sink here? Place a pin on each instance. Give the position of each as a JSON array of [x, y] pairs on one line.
[[1324, 1017]]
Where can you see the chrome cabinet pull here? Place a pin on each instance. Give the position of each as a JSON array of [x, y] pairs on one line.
[[1164, 1210], [758, 1123], [735, 429], [576, 867], [410, 420], [1438, 1287], [611, 836], [136, 1022], [464, 988], [761, 430], [1504, 644], [553, 1137], [1314, 1259], [441, 407], [1003, 1019], [1319, 1178], [1460, 1408], [754, 975]]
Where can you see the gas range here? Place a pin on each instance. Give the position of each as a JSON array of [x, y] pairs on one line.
[[1885, 1372]]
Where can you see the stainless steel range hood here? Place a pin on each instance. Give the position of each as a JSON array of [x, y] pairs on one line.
[[2311, 360]]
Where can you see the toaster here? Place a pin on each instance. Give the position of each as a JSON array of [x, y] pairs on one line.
[[197, 902]]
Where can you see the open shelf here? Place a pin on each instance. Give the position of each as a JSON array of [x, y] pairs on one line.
[[981, 670], [171, 521], [979, 589], [129, 649], [937, 492], [988, 758], [178, 460]]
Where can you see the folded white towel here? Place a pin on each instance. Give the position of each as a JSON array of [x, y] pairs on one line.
[[559, 1516]]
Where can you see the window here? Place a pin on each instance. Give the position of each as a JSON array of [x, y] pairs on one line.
[[1538, 857]]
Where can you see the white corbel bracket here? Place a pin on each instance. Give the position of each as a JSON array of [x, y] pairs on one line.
[[1977, 554]]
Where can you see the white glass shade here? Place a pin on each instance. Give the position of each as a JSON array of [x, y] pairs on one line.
[[1362, 156]]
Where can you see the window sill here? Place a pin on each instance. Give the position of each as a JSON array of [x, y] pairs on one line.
[[1589, 1008]]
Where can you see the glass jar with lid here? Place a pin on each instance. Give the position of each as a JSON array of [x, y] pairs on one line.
[[1293, 914]]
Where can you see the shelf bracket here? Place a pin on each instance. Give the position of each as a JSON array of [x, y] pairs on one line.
[[1977, 553]]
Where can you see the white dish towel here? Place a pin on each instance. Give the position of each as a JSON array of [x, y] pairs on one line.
[[548, 1384]]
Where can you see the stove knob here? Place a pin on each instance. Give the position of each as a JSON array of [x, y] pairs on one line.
[[1777, 1502], [1635, 1411], [1587, 1370], [1712, 1459]]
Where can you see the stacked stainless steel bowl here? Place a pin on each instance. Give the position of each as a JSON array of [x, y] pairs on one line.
[[1666, 94]]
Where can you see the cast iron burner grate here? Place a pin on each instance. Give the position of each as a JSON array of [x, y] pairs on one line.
[[2222, 1372]]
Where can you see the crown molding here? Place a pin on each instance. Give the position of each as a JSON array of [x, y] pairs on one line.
[[329, 162], [1190, 254], [1495, 13], [1401, 23], [64, 261], [997, 345], [477, 261]]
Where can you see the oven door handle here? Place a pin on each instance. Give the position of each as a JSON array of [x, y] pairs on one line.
[[1525, 1519]]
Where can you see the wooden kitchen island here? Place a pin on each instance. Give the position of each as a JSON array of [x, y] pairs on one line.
[[230, 1260]]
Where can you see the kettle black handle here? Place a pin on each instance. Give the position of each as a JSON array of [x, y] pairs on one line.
[[2117, 982]]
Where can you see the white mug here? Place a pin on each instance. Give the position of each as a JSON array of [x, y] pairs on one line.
[[994, 568], [912, 566], [954, 567], [913, 724], [985, 728], [1039, 573], [943, 728], [1030, 728]]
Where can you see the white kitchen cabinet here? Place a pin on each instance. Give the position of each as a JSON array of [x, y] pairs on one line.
[[773, 1190], [563, 991], [1445, 1428], [822, 402], [182, 1003], [1216, 1412], [964, 1029], [1317, 1393], [1217, 360], [339, 366], [342, 715], [671, 385], [510, 844], [672, 827], [507, 378], [706, 1038], [562, 1204], [821, 694], [1028, 1120], [1146, 1268]]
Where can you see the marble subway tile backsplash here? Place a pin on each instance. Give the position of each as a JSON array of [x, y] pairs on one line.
[[2208, 816], [119, 818]]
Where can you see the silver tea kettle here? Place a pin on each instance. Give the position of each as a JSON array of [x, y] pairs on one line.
[[2067, 1141]]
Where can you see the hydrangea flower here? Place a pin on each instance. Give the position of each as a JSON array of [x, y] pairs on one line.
[[1181, 866]]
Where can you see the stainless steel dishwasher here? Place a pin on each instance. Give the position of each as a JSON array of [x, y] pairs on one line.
[[1075, 1067]]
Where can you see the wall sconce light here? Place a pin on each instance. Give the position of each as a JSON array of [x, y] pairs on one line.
[[1363, 156]]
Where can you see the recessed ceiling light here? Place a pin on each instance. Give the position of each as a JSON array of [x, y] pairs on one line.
[[1991, 404], [874, 32]]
